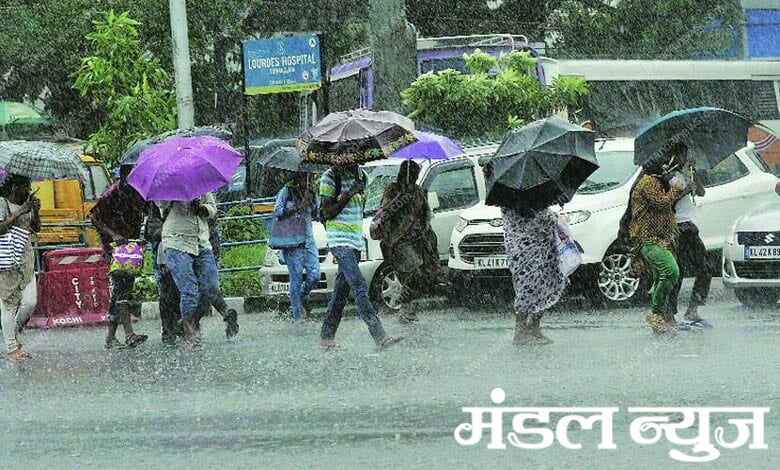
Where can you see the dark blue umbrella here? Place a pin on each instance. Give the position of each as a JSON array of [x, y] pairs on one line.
[[711, 134]]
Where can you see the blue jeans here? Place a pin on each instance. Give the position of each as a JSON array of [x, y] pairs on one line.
[[196, 277], [297, 260], [350, 279]]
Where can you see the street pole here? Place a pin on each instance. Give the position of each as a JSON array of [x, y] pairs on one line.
[[181, 64]]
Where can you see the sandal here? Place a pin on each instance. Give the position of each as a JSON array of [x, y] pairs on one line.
[[134, 340], [17, 355], [113, 343], [388, 342], [329, 345]]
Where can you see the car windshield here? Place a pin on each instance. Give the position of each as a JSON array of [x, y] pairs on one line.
[[378, 178], [615, 168]]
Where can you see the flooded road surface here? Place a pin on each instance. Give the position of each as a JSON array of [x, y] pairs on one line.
[[270, 399]]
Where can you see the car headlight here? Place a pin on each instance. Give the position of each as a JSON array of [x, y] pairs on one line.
[[731, 236], [576, 217], [461, 225]]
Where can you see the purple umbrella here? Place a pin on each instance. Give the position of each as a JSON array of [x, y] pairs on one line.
[[184, 168], [431, 146]]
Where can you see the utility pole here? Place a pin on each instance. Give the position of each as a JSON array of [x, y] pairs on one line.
[[181, 63]]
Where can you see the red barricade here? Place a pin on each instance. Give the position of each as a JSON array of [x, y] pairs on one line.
[[73, 289]]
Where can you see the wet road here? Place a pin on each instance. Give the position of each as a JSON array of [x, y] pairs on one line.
[[271, 399]]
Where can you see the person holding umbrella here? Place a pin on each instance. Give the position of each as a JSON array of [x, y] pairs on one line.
[[344, 140], [408, 241], [537, 165], [179, 174], [18, 290], [691, 252], [653, 232], [295, 206], [118, 216]]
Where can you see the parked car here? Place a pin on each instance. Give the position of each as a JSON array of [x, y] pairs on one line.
[[740, 181], [751, 256], [453, 185]]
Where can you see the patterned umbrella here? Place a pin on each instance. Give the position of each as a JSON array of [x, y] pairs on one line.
[[41, 160], [130, 157], [356, 136], [184, 168]]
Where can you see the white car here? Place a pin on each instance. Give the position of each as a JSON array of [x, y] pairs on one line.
[[741, 181], [453, 185], [751, 256]]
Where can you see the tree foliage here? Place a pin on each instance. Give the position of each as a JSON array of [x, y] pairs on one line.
[[648, 29], [128, 82], [497, 95]]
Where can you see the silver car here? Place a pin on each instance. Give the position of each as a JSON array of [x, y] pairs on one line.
[[751, 256]]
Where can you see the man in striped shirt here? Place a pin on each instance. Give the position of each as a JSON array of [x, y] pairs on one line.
[[342, 201]]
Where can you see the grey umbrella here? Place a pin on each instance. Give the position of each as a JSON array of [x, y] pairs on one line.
[[130, 156], [41, 160], [290, 159]]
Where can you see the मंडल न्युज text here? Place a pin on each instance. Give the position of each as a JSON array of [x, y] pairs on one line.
[[647, 429]]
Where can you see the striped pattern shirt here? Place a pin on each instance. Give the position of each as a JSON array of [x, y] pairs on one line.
[[346, 229]]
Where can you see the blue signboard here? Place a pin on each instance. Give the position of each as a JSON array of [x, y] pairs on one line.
[[281, 64]]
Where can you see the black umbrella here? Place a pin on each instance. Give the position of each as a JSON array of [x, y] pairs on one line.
[[290, 159], [134, 151], [540, 164], [711, 134]]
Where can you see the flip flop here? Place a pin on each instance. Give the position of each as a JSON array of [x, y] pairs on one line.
[[134, 340]]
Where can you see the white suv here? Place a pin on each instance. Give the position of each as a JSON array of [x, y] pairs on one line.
[[453, 185], [742, 180]]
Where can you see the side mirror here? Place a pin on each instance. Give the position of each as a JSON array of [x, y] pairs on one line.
[[433, 201]]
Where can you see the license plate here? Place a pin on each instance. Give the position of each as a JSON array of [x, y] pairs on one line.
[[280, 288], [762, 252], [492, 262]]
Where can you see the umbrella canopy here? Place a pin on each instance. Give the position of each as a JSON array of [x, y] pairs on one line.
[[290, 159], [130, 157], [431, 146], [540, 164], [711, 134], [41, 160], [184, 168], [356, 136]]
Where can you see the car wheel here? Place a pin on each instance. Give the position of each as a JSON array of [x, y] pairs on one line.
[[757, 297], [615, 282], [386, 289]]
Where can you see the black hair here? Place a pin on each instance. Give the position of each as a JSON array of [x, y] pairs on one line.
[[409, 170], [11, 181]]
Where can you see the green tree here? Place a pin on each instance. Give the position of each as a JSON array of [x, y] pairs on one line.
[[651, 29], [496, 96], [126, 80]]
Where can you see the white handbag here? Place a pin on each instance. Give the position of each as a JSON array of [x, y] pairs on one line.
[[569, 256], [12, 245]]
